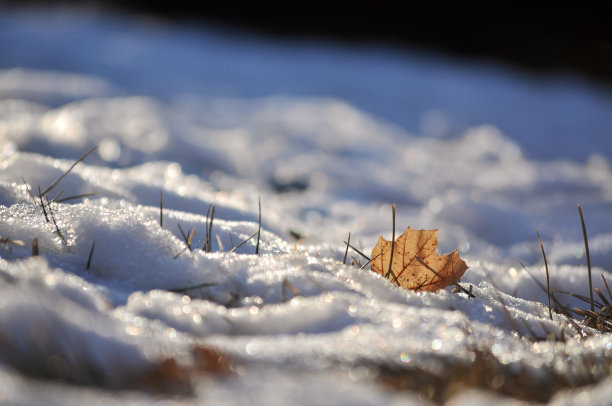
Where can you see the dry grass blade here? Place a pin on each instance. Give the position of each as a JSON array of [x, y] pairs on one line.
[[501, 300], [209, 231], [8, 240], [586, 247], [161, 208], [58, 180], [29, 191], [291, 287], [198, 286], [91, 251], [581, 297], [42, 204], [242, 243], [187, 237], [231, 240], [258, 229], [347, 247], [370, 260], [547, 274], [390, 271], [603, 298], [75, 197], [607, 287], [57, 229], [359, 252]]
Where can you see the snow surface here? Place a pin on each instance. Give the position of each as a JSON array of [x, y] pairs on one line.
[[327, 138]]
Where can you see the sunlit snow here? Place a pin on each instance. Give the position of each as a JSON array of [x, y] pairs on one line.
[[327, 139]]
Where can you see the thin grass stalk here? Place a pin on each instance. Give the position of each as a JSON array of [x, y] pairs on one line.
[[347, 247], [547, 275], [161, 208], [258, 229], [390, 271], [58, 180], [91, 251], [586, 247]]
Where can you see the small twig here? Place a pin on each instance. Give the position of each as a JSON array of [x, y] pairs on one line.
[[347, 247], [35, 247], [390, 271], [586, 247], [91, 251], [258, 229], [58, 180], [547, 276]]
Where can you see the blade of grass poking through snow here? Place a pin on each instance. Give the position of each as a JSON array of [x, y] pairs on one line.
[[42, 204], [59, 232], [58, 180], [359, 252], [547, 275], [607, 287], [242, 243], [91, 251], [291, 287], [69, 198], [370, 260], [29, 190], [205, 245], [198, 286], [161, 208], [390, 271], [347, 247], [231, 240], [187, 237], [258, 229], [209, 231], [586, 247]]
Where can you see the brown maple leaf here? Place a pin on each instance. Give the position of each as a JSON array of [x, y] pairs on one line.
[[416, 265]]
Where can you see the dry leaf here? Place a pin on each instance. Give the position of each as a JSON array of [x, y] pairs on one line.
[[416, 265]]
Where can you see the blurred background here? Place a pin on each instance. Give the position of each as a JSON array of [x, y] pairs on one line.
[[568, 37], [542, 76]]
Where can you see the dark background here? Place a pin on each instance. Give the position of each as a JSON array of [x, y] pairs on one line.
[[562, 38]]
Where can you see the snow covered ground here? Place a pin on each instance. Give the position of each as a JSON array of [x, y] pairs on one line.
[[327, 137]]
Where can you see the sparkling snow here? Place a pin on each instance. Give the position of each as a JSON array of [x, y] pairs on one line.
[[327, 138]]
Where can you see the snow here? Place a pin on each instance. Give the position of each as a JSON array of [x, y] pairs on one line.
[[326, 138]]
